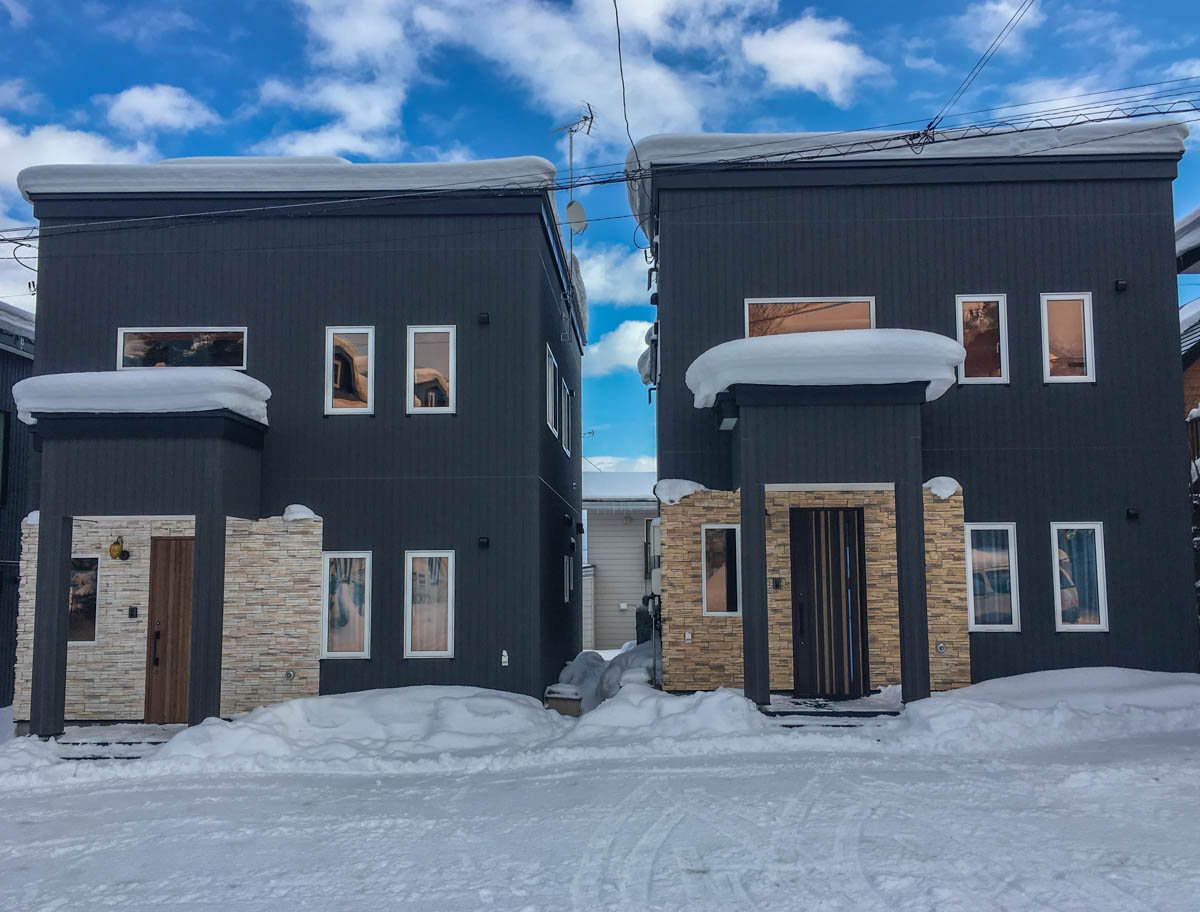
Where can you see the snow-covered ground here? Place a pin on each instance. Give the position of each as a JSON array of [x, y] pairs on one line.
[[1065, 791]]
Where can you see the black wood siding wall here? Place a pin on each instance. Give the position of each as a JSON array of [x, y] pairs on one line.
[[14, 504], [390, 482], [1028, 452]]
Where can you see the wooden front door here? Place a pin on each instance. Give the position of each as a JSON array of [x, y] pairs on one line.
[[169, 634], [829, 610]]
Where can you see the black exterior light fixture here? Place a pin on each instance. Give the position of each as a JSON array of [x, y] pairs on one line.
[[117, 550]]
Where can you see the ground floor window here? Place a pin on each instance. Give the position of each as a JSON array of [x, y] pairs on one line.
[[1080, 600], [428, 604], [721, 569], [346, 621], [85, 586], [992, 590]]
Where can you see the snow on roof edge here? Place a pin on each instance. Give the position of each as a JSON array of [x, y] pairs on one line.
[[619, 486], [1187, 236], [17, 320]]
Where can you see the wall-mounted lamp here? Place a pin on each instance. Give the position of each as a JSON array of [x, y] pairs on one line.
[[117, 550]]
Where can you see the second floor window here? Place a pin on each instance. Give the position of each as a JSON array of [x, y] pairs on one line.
[[349, 370], [1067, 353], [181, 346], [983, 332], [552, 382], [431, 369], [772, 316]]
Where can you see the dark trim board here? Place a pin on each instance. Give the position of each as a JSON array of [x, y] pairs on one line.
[[863, 394], [220, 424]]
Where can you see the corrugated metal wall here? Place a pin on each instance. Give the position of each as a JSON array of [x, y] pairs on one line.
[[616, 547]]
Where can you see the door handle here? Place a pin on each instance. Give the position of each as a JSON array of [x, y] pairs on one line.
[[157, 637]]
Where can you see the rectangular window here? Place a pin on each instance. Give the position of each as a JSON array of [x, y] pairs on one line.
[[85, 587], [349, 370], [564, 422], [992, 591], [983, 332], [772, 316], [721, 569], [428, 604], [181, 346], [1080, 600], [567, 578], [431, 366], [551, 392], [346, 621], [1067, 352]]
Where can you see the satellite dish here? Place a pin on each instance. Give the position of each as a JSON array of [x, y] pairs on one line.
[[576, 217]]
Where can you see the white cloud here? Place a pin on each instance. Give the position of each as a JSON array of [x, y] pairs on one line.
[[17, 12], [813, 54], [18, 95], [620, 464], [929, 64], [981, 22], [616, 350], [145, 26], [149, 108], [613, 274], [1182, 69], [364, 116], [1107, 30], [1050, 94], [357, 33]]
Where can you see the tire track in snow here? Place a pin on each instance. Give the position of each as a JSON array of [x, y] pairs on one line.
[[588, 884]]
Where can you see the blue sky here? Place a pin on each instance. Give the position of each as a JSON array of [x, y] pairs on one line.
[[427, 80]]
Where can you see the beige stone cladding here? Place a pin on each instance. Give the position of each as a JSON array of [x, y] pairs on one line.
[[946, 591], [105, 679], [273, 587], [714, 656], [272, 619], [883, 592]]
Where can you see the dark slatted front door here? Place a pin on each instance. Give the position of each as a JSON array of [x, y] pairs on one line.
[[829, 616], [169, 636]]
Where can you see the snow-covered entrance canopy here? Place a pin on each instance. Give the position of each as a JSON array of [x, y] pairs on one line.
[[844, 357], [149, 390], [1139, 137], [1187, 240], [261, 175]]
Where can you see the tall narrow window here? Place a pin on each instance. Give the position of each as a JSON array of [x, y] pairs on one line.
[[346, 621], [772, 316], [1067, 350], [1080, 600], [431, 369], [181, 346], [992, 591], [349, 370], [564, 423], [568, 581], [983, 332], [428, 604], [720, 569], [551, 392], [84, 593]]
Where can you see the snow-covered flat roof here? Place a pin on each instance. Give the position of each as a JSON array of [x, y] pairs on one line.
[[145, 391], [1187, 237], [844, 357], [16, 321], [259, 175], [1137, 137], [619, 486]]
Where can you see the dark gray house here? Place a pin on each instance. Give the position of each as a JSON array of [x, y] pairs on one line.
[[933, 400], [16, 363], [305, 426]]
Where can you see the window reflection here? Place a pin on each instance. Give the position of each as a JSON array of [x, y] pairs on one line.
[[81, 613], [1078, 577], [991, 577], [346, 605], [1065, 337], [431, 369], [184, 348], [720, 570], [350, 370], [430, 606], [775, 317], [981, 338]]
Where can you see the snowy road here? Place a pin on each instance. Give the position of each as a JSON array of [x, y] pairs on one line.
[[1094, 826]]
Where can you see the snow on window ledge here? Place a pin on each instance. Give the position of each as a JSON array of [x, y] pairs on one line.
[[846, 357], [161, 389]]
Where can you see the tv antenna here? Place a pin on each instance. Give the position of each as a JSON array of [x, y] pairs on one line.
[[576, 217]]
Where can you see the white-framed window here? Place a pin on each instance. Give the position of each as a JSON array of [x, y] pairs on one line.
[[993, 595], [431, 387], [83, 600], [551, 392], [346, 618], [1068, 352], [349, 370], [772, 316], [564, 422], [1080, 590], [982, 322], [428, 604], [721, 568], [181, 346]]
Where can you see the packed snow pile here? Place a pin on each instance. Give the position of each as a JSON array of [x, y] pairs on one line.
[[598, 679], [639, 711], [943, 487], [293, 512], [673, 490], [158, 389], [6, 723], [1049, 708], [842, 357], [33, 518]]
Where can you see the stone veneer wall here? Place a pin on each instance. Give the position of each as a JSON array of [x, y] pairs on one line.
[[272, 623], [273, 598], [946, 591]]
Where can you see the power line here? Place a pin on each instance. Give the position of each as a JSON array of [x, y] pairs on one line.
[[621, 70]]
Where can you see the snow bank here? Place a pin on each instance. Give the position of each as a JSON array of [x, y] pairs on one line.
[[33, 518], [844, 357], [158, 389], [293, 512], [638, 711], [583, 674], [6, 723], [943, 487], [673, 490]]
